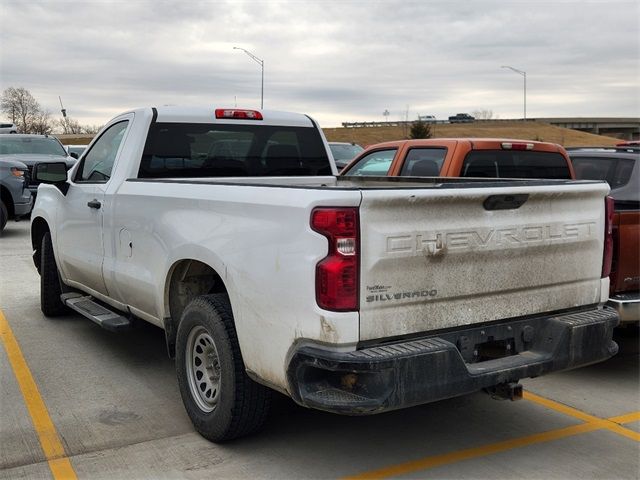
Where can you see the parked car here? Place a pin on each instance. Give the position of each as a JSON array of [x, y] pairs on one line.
[[463, 157], [461, 118], [620, 167], [75, 151], [31, 149], [15, 198], [344, 152], [8, 128], [354, 296]]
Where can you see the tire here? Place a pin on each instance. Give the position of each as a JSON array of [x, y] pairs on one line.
[[221, 400], [4, 216], [50, 288]]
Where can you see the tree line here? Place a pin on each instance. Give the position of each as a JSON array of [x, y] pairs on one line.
[[21, 107]]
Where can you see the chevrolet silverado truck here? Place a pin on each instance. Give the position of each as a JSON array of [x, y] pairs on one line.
[[620, 167], [463, 157], [230, 230]]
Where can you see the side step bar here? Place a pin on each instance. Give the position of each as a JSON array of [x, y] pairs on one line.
[[85, 305]]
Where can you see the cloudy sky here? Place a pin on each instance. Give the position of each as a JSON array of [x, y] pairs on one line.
[[335, 60]]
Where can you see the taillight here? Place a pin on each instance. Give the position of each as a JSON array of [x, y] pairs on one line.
[[608, 236], [516, 146], [337, 274], [234, 113], [17, 172]]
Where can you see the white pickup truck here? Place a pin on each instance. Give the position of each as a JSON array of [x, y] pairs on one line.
[[230, 230]]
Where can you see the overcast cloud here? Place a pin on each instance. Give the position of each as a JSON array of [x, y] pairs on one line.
[[335, 60]]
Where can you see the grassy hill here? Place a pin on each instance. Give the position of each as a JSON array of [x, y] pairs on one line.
[[514, 130]]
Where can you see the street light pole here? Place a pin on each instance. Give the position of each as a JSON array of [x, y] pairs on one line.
[[261, 63], [524, 75]]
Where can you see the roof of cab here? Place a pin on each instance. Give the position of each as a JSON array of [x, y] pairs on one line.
[[182, 114], [477, 143]]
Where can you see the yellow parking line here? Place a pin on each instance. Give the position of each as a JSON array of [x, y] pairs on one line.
[[592, 423], [447, 458], [559, 407], [52, 447], [628, 418]]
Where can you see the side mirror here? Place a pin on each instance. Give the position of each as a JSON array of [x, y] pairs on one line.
[[55, 172], [74, 155]]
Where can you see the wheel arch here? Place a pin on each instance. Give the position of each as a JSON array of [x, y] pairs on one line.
[[39, 227], [186, 279]]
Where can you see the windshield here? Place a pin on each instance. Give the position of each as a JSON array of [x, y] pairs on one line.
[[345, 152], [178, 150], [11, 145]]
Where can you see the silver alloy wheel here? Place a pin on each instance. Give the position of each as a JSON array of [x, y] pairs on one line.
[[203, 369]]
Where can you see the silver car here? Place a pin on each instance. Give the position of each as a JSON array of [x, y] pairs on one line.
[[8, 128]]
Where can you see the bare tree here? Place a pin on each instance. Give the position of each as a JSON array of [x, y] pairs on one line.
[[25, 111], [69, 125], [91, 129], [483, 114], [20, 105], [41, 123]]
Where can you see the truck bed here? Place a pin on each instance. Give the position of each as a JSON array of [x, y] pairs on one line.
[[438, 253]]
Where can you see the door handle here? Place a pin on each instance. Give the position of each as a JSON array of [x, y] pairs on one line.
[[94, 204]]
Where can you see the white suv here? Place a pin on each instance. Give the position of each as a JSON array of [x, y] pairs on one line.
[[8, 128]]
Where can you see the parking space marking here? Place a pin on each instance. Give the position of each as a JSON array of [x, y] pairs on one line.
[[52, 447], [591, 423], [482, 451], [573, 412], [628, 418]]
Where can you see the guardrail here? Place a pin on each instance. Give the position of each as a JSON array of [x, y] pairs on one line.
[[430, 122]]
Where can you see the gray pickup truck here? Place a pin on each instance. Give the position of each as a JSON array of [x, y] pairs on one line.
[[15, 198], [31, 149]]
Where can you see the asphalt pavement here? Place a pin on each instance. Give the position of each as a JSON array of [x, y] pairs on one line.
[[78, 401]]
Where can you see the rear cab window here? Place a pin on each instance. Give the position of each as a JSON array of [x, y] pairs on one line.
[[515, 164], [183, 150], [616, 171]]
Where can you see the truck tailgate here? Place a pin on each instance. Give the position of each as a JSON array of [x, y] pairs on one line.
[[444, 257]]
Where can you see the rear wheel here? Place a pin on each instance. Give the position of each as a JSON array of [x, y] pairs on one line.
[[50, 288], [221, 400]]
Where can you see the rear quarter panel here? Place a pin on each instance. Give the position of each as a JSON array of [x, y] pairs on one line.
[[258, 240]]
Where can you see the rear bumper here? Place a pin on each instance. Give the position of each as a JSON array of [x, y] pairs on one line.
[[388, 377], [627, 305]]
